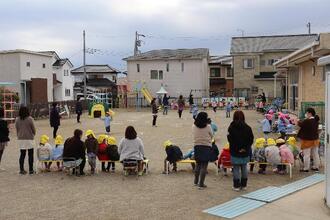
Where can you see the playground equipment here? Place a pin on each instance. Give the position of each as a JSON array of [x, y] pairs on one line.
[[147, 94], [7, 98]]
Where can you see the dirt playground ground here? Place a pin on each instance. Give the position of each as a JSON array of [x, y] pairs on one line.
[[56, 195]]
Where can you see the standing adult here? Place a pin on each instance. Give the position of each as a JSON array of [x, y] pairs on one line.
[[78, 109], [54, 119], [240, 138], [191, 102], [26, 131], [202, 136], [309, 136], [165, 104], [181, 104], [154, 110], [263, 98], [75, 148], [4, 134]]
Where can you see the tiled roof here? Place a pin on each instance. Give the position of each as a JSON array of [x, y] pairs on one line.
[[94, 69], [102, 82], [196, 53], [270, 43], [221, 59]]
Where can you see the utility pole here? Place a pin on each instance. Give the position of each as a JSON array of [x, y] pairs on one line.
[[309, 27], [242, 31], [137, 43], [84, 63]]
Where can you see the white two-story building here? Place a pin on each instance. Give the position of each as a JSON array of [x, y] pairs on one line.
[[179, 71]]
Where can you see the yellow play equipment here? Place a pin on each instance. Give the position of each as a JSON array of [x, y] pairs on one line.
[[97, 111], [147, 94]]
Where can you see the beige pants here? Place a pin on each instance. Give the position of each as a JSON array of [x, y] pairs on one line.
[[314, 153]]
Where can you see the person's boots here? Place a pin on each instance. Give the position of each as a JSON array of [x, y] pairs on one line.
[[243, 184], [237, 184]]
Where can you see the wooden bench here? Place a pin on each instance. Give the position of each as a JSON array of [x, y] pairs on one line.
[[288, 165], [189, 161], [41, 163], [145, 162]]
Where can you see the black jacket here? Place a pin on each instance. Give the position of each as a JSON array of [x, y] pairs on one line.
[[308, 129], [54, 118], [240, 138], [74, 147], [4, 131], [154, 108], [78, 107], [173, 153]]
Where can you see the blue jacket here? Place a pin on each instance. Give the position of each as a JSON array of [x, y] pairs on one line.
[[265, 125], [107, 121]]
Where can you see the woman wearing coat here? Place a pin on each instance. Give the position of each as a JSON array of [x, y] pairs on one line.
[[54, 119], [240, 138]]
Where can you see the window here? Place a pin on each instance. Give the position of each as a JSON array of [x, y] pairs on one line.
[[154, 74], [44, 65], [214, 72], [114, 78], [262, 62], [67, 92], [66, 72], [182, 67], [28, 64], [272, 61], [254, 89], [248, 63], [138, 68], [167, 67], [230, 72]]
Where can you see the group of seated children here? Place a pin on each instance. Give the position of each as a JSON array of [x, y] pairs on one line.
[[47, 153], [174, 154], [275, 153]]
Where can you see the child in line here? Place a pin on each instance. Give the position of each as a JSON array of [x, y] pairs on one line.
[[224, 160], [173, 154], [285, 154], [266, 127], [259, 154], [282, 125], [44, 151], [194, 111], [228, 109], [101, 153], [112, 151], [92, 146], [272, 153], [292, 145], [57, 151]]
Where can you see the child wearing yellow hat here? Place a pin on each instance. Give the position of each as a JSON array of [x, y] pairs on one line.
[[57, 151], [173, 154], [44, 151], [259, 154], [102, 154], [112, 151], [272, 153], [92, 146], [292, 145]]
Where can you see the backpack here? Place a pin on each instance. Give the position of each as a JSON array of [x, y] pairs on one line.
[[112, 152], [214, 153]]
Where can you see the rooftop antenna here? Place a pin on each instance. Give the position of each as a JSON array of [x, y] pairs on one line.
[[309, 27], [137, 43], [242, 31]]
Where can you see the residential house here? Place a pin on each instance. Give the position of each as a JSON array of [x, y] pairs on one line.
[[253, 59], [305, 80], [179, 71], [62, 79], [221, 76], [100, 78], [31, 72]]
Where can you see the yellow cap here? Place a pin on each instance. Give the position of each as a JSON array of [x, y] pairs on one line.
[[44, 139], [292, 141], [260, 142], [270, 141], [90, 132], [59, 140], [101, 138], [213, 141], [280, 141], [167, 143], [112, 140], [226, 147], [111, 113]]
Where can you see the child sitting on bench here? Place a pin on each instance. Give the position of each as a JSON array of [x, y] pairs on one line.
[[292, 145], [44, 151], [112, 152], [57, 151], [272, 153], [92, 147], [101, 153], [173, 153], [259, 154], [286, 155], [224, 160]]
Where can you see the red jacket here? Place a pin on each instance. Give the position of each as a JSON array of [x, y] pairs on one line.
[[224, 158], [101, 154]]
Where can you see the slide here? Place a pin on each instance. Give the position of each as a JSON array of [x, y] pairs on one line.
[[147, 94]]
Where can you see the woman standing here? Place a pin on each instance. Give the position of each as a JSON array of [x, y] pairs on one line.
[[4, 134], [309, 136], [54, 119], [240, 138], [26, 131], [165, 104], [181, 105], [131, 148], [202, 135], [154, 112], [78, 109]]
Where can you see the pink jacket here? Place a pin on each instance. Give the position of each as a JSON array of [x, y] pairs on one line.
[[286, 154]]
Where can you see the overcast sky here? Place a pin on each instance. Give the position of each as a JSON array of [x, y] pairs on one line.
[[110, 24]]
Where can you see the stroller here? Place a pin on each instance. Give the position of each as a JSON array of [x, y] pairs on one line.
[[71, 164]]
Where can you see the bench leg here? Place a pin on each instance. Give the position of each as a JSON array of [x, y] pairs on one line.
[[290, 171], [167, 167]]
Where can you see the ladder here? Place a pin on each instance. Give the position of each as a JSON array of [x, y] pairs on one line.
[[8, 103]]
